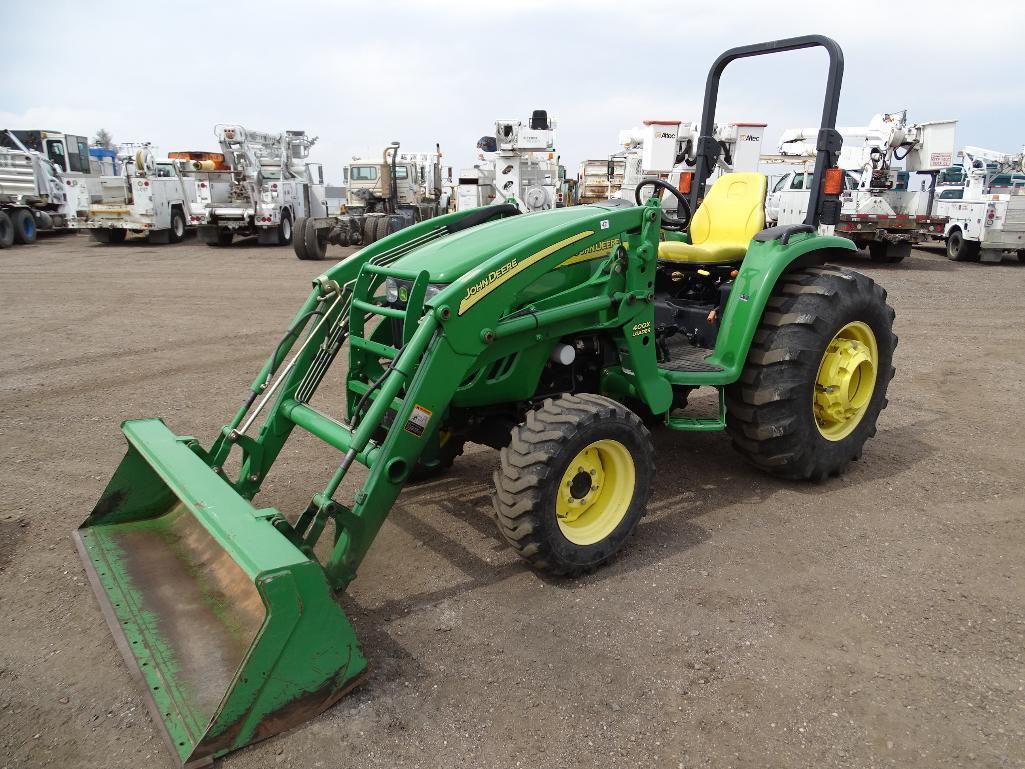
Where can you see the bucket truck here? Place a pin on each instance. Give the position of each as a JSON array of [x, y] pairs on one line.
[[518, 164], [383, 195], [150, 196], [983, 199], [880, 210], [266, 187], [667, 150]]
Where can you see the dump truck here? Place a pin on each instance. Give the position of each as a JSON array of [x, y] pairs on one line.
[[382, 196], [518, 164], [36, 193], [264, 186], [982, 200], [882, 211], [150, 196], [552, 336]]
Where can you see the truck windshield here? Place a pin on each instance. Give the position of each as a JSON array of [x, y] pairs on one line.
[[401, 172], [951, 175], [363, 173]]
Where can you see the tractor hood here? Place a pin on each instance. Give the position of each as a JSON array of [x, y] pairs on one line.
[[452, 257]]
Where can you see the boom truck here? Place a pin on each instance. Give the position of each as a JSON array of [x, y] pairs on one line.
[[518, 164], [37, 191], [265, 185], [983, 200], [150, 196], [381, 197], [546, 335], [881, 211], [666, 149]]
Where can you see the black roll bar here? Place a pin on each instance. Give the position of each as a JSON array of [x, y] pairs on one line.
[[829, 140]]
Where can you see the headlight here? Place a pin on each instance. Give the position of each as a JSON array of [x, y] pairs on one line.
[[391, 290]]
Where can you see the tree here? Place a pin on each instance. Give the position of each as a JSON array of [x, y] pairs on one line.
[[103, 139]]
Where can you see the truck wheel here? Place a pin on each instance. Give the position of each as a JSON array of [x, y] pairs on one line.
[[285, 229], [961, 250], [6, 230], [315, 240], [369, 225], [108, 236], [24, 226], [382, 227], [176, 233], [299, 242], [816, 376], [573, 483], [1021, 256]]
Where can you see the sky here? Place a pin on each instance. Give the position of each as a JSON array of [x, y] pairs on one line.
[[359, 75]]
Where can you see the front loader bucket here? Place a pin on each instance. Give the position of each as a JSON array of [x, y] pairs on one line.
[[228, 625]]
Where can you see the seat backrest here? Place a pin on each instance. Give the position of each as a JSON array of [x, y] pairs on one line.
[[733, 211]]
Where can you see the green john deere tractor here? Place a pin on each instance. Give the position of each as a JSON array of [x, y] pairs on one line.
[[553, 336]]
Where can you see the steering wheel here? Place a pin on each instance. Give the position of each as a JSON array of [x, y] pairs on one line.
[[676, 223]]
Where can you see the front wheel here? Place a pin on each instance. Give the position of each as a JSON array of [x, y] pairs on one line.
[[816, 376], [285, 229], [573, 482], [6, 230]]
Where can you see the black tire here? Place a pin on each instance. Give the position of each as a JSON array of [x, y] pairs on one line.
[[769, 411], [888, 253], [223, 239], [108, 236], [369, 225], [6, 230], [538, 459], [315, 240], [176, 232], [1021, 256], [24, 226], [299, 242], [285, 230], [448, 452], [382, 227], [961, 250]]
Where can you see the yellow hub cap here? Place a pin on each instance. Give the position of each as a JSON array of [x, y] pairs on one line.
[[846, 381], [595, 492]]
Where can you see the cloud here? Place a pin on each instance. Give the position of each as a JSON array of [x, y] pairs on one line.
[[361, 75]]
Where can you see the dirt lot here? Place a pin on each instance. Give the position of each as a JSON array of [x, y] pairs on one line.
[[877, 620]]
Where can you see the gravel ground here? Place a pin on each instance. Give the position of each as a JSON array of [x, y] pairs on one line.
[[877, 620]]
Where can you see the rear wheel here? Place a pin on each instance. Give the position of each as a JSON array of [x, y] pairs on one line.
[[1021, 256], [961, 250], [177, 229], [6, 230], [108, 235], [369, 225], [573, 483], [816, 376], [315, 240], [299, 242], [285, 229], [24, 226]]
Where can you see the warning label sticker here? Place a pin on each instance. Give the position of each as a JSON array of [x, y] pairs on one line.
[[418, 421]]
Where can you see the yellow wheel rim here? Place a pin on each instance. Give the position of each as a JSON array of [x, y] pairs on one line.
[[595, 492], [846, 381]]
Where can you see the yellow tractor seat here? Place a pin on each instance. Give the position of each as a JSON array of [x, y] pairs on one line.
[[731, 214]]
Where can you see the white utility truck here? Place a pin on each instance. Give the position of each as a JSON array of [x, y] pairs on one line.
[[983, 199], [152, 197], [382, 196], [883, 208], [262, 187], [666, 150], [38, 194], [518, 164]]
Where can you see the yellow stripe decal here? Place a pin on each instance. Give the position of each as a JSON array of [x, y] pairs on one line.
[[496, 278]]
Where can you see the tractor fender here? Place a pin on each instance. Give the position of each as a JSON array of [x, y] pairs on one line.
[[766, 261]]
